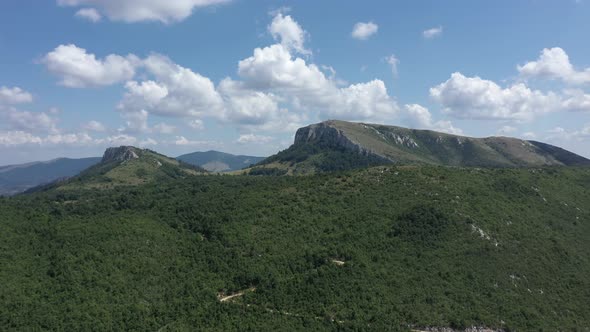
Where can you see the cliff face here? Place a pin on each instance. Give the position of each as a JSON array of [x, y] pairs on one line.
[[326, 135], [122, 153]]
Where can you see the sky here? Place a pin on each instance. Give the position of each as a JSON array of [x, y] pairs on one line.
[[240, 76]]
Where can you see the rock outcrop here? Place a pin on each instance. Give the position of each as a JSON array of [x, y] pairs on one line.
[[119, 154]]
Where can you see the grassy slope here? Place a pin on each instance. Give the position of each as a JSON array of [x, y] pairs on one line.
[[440, 148], [158, 255], [150, 166]]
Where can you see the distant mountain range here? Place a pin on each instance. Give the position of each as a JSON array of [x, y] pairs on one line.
[[215, 161], [126, 166], [15, 179], [18, 178], [323, 147], [337, 145]]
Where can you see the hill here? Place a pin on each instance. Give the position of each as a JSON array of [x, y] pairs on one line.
[[384, 249], [337, 145], [129, 166], [215, 161], [15, 179]]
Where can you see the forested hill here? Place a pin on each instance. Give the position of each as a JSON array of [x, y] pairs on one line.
[[127, 166], [337, 145], [382, 249]]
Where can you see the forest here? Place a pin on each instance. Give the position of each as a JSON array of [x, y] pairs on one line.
[[389, 248]]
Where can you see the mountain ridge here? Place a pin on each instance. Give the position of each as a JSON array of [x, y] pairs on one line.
[[383, 144], [217, 161]]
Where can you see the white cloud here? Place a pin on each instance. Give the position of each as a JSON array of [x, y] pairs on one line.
[[554, 63], [255, 139], [77, 68], [476, 98], [362, 31], [89, 14], [559, 134], [576, 100], [14, 95], [393, 61], [23, 138], [288, 32], [117, 140], [69, 139], [28, 121], [417, 116], [94, 126], [273, 69], [176, 91], [144, 10], [14, 138], [246, 106], [433, 32]]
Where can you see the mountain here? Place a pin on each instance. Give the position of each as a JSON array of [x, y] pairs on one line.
[[215, 161], [390, 248], [128, 165], [15, 179], [337, 145]]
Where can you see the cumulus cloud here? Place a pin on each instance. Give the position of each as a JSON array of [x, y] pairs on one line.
[[141, 10], [28, 121], [418, 116], [433, 32], [23, 138], [476, 98], [255, 139], [94, 126], [362, 31], [89, 14], [288, 32], [306, 87], [14, 138], [77, 69], [14, 95], [576, 100], [562, 134], [247, 106], [176, 91], [554, 63]]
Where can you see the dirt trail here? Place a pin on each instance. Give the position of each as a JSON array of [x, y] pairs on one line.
[[225, 298]]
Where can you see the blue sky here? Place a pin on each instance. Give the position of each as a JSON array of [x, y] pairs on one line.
[[177, 76]]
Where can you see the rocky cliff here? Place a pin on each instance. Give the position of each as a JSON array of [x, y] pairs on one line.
[[122, 153]]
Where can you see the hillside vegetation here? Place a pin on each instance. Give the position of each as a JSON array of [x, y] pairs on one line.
[[386, 248], [127, 165]]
